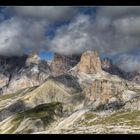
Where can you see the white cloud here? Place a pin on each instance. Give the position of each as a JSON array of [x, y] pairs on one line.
[[17, 34], [113, 30], [128, 26], [118, 11], [84, 34], [73, 38], [27, 26], [129, 62]]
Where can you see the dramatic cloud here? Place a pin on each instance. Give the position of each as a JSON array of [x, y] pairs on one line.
[[1, 17], [24, 27], [72, 39], [48, 13], [114, 30], [18, 35], [115, 12], [110, 30], [86, 34], [129, 62]]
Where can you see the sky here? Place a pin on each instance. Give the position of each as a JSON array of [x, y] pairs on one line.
[[114, 31], [46, 55]]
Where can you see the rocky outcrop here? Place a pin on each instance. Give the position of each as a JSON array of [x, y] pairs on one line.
[[90, 63], [59, 65], [103, 92], [21, 72], [63, 63], [106, 94]]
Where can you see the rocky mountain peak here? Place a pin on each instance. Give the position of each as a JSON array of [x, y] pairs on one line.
[[63, 63], [89, 62], [22, 72], [82, 97]]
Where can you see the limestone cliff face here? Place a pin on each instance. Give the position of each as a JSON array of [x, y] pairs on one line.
[[103, 90], [63, 63], [89, 63], [21, 72], [109, 94], [59, 65]]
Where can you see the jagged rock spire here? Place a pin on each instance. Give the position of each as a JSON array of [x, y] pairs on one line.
[[63, 63], [90, 62]]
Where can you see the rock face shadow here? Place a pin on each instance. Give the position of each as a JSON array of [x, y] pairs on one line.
[[12, 109], [110, 106], [69, 81]]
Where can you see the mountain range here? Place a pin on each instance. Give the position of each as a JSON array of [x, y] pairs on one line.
[[73, 94]]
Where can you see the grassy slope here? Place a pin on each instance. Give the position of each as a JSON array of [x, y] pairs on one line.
[[45, 112]]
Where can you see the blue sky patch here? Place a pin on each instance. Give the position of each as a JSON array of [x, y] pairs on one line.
[[46, 55]]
